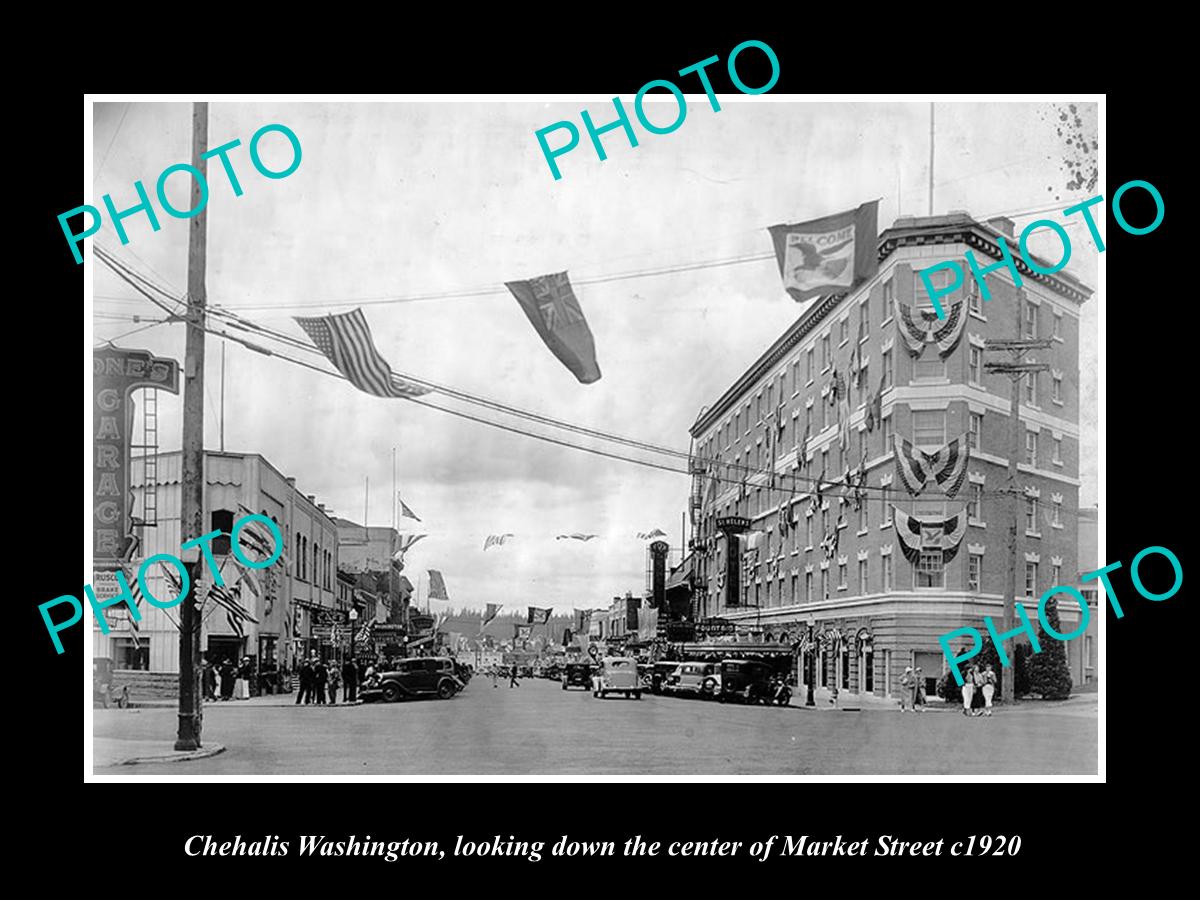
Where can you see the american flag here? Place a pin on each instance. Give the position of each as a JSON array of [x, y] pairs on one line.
[[495, 540], [135, 591], [228, 601], [345, 340]]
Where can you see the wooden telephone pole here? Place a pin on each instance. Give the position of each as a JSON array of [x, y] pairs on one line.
[[191, 714], [1016, 371]]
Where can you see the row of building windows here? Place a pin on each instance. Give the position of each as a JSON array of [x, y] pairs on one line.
[[928, 572]]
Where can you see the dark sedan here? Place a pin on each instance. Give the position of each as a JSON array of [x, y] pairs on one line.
[[424, 676]]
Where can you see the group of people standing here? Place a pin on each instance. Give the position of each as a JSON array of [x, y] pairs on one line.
[[320, 679], [912, 690], [234, 679], [983, 681]]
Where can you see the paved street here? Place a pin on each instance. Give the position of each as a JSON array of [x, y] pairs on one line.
[[539, 729]]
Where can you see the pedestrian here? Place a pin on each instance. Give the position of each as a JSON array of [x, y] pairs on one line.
[[906, 689], [495, 676], [209, 679], [512, 678], [918, 690], [988, 687], [245, 671], [350, 680], [228, 675], [306, 683], [968, 690], [335, 681], [320, 677]]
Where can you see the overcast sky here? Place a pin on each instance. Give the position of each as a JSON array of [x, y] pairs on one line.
[[401, 199]]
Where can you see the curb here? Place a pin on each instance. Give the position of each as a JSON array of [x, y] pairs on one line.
[[181, 756]]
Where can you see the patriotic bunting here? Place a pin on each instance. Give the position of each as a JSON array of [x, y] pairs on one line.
[[832, 254], [551, 307], [924, 327], [947, 467], [575, 536], [346, 341], [929, 534], [647, 535]]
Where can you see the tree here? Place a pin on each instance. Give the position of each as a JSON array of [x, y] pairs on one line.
[[1049, 674]]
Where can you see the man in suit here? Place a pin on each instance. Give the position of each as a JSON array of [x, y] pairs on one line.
[[306, 683], [350, 680], [320, 676]]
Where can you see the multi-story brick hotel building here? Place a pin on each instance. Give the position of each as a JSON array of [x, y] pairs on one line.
[[872, 610]]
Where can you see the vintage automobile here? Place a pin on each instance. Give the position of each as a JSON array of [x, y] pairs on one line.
[[104, 691], [655, 675], [701, 679], [417, 677], [463, 672], [578, 674], [617, 675], [746, 680]]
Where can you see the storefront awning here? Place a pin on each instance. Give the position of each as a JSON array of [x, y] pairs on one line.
[[733, 650]]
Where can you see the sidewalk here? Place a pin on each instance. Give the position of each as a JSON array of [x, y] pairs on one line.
[[851, 702], [118, 752]]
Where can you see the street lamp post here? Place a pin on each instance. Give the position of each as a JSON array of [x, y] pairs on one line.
[[808, 669], [353, 619]]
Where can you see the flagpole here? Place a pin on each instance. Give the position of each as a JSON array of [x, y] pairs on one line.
[[395, 492], [366, 497]]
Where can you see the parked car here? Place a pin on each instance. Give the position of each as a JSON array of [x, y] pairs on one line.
[[104, 691], [702, 679], [577, 675], [554, 671], [746, 680], [416, 677], [656, 674], [617, 674]]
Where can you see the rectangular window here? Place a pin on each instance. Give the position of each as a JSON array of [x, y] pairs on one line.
[[222, 521], [1030, 320], [975, 365], [759, 406], [974, 572], [808, 587], [826, 353], [1031, 579], [1031, 380], [1031, 438], [864, 319], [863, 518], [825, 584], [864, 385], [845, 669], [127, 655], [810, 361], [842, 577], [888, 295], [974, 301], [825, 408], [1055, 575], [1056, 511], [887, 515], [886, 431], [1056, 389], [888, 378], [930, 571], [862, 576], [796, 376], [1057, 326], [929, 427], [1057, 445], [975, 431], [975, 503], [843, 331], [885, 563], [808, 531], [1031, 512]]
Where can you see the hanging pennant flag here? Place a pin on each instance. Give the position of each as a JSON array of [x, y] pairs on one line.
[[566, 637], [830, 542], [496, 540], [437, 586], [550, 305], [832, 254], [492, 610], [575, 536], [647, 535], [405, 543], [346, 341], [924, 327], [929, 534], [583, 621], [538, 616], [405, 511], [522, 632], [947, 467]]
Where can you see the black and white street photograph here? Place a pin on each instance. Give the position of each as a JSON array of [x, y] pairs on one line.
[[712, 432]]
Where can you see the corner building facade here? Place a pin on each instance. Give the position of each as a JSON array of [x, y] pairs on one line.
[[870, 610]]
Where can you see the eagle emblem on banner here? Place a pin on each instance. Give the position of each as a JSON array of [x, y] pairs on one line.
[[924, 327], [929, 534], [947, 467]]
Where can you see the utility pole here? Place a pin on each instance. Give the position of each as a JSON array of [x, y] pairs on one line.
[[191, 715], [1016, 371]]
